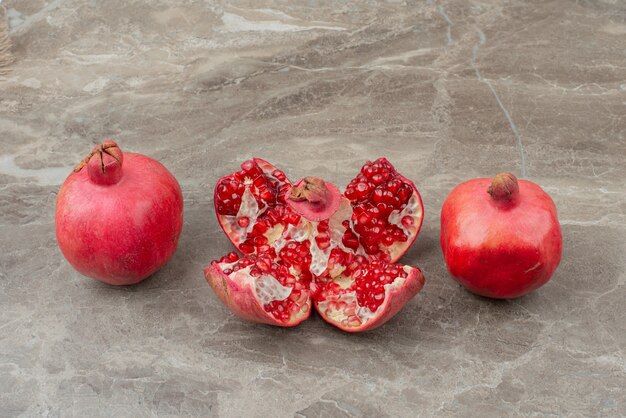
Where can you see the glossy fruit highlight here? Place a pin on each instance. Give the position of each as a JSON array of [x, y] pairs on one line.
[[118, 216], [305, 243], [500, 238]]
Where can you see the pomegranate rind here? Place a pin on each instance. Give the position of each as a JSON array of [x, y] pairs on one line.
[[241, 299], [395, 299]]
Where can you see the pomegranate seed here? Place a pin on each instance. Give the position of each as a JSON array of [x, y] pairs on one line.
[[323, 245], [260, 240], [403, 195], [323, 226], [246, 248], [371, 249], [377, 197], [248, 166], [259, 229], [362, 189], [292, 219], [263, 266], [243, 222], [407, 221], [350, 240], [279, 175], [388, 240], [393, 185], [259, 181], [267, 196], [378, 179]]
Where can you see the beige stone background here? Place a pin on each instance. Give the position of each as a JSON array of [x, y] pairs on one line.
[[447, 90]]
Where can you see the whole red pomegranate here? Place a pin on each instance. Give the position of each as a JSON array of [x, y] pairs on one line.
[[118, 216], [305, 244], [500, 238]]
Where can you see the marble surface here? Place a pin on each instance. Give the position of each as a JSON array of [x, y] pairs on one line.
[[447, 90]]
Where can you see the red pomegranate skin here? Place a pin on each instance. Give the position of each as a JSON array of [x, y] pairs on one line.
[[500, 247], [123, 232]]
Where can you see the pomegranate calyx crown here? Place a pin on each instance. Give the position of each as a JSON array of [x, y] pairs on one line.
[[312, 189], [504, 187], [107, 147], [314, 198], [104, 163]]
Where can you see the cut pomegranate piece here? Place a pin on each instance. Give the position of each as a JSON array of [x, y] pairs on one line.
[[303, 229], [358, 294], [260, 289]]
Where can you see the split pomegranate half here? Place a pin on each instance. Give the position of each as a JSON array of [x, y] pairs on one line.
[[306, 243]]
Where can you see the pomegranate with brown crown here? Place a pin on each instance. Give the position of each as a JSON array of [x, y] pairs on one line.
[[118, 215], [306, 245], [500, 237]]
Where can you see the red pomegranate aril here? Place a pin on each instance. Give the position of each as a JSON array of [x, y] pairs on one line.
[[260, 240], [267, 196], [371, 249], [263, 266], [350, 240], [393, 185], [248, 166], [362, 189], [259, 229], [279, 175], [323, 245], [336, 256], [379, 178], [323, 226], [384, 209], [263, 248], [246, 248], [403, 195], [292, 218], [224, 193], [303, 249], [243, 222], [259, 182]]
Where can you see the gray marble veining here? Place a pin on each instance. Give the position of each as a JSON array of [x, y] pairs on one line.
[[447, 90]]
